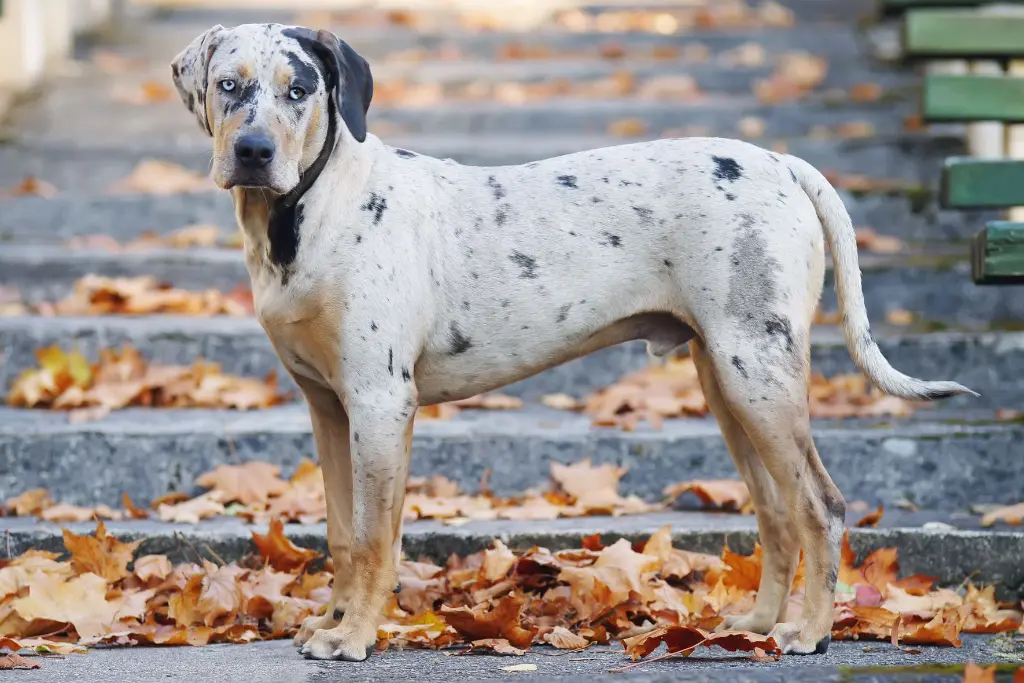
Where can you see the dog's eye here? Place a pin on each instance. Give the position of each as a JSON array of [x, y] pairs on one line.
[[296, 94], [227, 85]]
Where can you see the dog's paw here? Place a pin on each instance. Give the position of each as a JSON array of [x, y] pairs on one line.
[[790, 638], [333, 644], [311, 625], [752, 622]]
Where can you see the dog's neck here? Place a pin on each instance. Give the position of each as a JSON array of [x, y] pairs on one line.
[[271, 223]]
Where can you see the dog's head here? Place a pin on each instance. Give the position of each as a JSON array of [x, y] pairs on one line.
[[270, 96]]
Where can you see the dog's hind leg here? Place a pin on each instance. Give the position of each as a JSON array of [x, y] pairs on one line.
[[780, 546], [331, 434], [765, 389]]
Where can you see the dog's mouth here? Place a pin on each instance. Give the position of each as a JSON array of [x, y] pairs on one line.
[[253, 181]]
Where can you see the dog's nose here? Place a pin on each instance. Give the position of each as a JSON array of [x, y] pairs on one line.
[[254, 151]]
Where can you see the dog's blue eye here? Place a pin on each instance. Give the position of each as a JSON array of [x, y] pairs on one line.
[[227, 85], [296, 94]]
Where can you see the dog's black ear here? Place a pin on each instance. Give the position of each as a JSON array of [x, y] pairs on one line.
[[190, 73], [348, 77]]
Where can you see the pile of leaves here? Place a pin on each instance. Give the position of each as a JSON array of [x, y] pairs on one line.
[[719, 15], [143, 295], [642, 594], [673, 390], [67, 381], [256, 492]]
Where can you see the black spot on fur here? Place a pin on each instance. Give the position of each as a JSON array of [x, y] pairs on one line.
[[373, 326], [306, 75], [778, 325], [726, 168], [376, 205], [405, 154], [405, 374], [526, 263], [831, 579], [793, 176], [612, 240], [668, 263], [646, 214], [459, 342], [730, 196], [359, 238], [738, 364], [567, 181], [563, 313], [356, 437], [499, 191], [391, 361], [596, 200], [501, 215], [243, 95]]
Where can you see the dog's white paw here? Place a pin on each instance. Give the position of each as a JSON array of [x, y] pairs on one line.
[[332, 644], [790, 638], [311, 625], [752, 622]]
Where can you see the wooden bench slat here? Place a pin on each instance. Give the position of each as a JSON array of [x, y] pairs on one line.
[[972, 98], [997, 254], [891, 7], [952, 34], [969, 183]]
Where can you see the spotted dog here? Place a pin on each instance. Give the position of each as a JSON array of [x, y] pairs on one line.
[[387, 280]]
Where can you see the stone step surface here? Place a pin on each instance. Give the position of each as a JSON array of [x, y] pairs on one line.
[[146, 453], [989, 556], [985, 361], [935, 286], [37, 220]]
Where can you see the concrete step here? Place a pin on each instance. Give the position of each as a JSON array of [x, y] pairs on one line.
[[35, 220], [73, 169], [952, 554], [986, 362], [146, 453], [934, 285]]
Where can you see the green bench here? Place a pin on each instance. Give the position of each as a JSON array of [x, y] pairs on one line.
[[974, 57]]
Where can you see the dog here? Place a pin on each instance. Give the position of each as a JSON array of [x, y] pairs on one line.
[[387, 280]]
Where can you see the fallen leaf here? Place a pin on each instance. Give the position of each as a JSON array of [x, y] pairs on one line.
[[871, 519], [153, 176], [564, 639], [1009, 514], [496, 645], [715, 493], [151, 567], [30, 186], [31, 502], [282, 554], [100, 554], [252, 482], [686, 638], [79, 601], [16, 661], [519, 667], [627, 128], [976, 674], [502, 621]]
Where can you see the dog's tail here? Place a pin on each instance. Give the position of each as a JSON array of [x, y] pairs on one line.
[[838, 227]]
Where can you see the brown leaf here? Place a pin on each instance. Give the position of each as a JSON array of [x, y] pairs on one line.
[[252, 482], [1009, 514], [149, 567], [152, 176], [496, 645], [871, 519], [685, 639], [282, 554], [564, 639], [498, 561], [16, 661], [134, 511], [30, 186], [31, 502], [715, 493], [976, 674], [100, 554], [479, 623]]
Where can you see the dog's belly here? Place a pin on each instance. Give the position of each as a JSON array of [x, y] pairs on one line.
[[442, 377]]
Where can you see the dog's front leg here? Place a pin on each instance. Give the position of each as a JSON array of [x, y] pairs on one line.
[[331, 434], [381, 439]]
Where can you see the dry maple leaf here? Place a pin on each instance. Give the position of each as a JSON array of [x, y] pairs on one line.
[[79, 601], [1009, 514], [715, 493], [191, 511], [31, 502], [153, 176], [564, 639], [685, 639], [100, 554], [252, 482], [221, 596], [16, 661], [871, 519], [150, 567], [77, 513], [502, 621], [282, 554], [498, 646]]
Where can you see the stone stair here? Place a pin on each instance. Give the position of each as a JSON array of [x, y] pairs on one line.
[[944, 459]]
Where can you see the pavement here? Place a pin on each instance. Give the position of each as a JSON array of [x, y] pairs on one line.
[[278, 662]]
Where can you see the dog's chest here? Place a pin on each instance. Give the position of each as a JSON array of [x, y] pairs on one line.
[[303, 327]]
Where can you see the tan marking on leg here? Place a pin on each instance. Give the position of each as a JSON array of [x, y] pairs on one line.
[[780, 545], [331, 433]]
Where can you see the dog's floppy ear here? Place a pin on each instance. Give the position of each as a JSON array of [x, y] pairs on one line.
[[189, 70], [348, 77]]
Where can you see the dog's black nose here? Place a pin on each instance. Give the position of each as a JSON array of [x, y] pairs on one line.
[[254, 151]]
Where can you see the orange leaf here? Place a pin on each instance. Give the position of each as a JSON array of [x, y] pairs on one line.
[[252, 482], [871, 519], [282, 554], [686, 638], [133, 511], [976, 674], [478, 623], [16, 661], [100, 554]]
